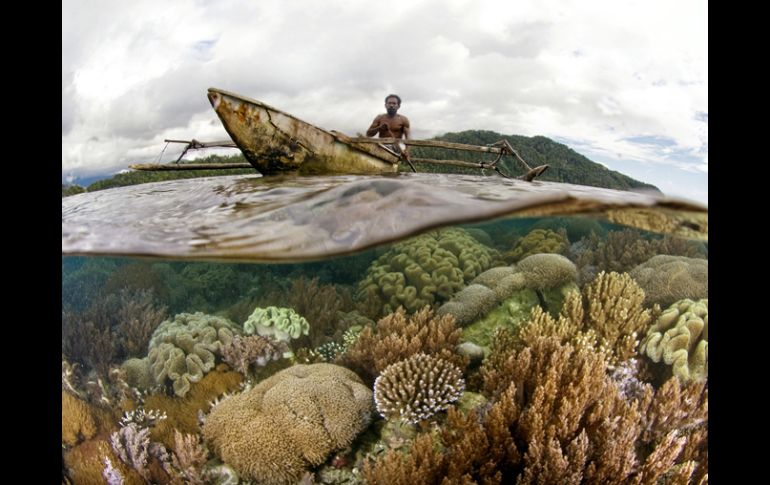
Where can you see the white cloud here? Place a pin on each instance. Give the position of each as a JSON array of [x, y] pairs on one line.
[[599, 72]]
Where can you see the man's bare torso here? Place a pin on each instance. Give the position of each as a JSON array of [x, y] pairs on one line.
[[396, 124]]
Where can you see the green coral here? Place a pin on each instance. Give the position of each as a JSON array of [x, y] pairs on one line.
[[184, 348], [426, 269], [679, 337], [508, 314], [278, 323], [535, 242]]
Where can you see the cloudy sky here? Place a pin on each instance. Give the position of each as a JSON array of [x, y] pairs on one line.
[[623, 82]]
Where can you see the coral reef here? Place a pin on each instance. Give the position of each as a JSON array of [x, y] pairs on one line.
[[288, 422], [666, 279], [546, 274], [182, 413], [416, 388], [242, 352], [560, 419], [425, 270], [397, 337], [80, 420], [538, 241], [283, 324], [679, 337], [184, 348]]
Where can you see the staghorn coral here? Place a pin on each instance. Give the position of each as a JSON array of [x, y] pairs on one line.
[[242, 352], [283, 324], [184, 348], [608, 315], [559, 419], [288, 422], [538, 241], [679, 337], [425, 270], [416, 388], [397, 337], [189, 458], [138, 317], [666, 279]]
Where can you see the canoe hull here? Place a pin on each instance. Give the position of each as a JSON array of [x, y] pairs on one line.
[[275, 142]]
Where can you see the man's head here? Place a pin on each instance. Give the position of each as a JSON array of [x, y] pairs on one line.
[[392, 103]]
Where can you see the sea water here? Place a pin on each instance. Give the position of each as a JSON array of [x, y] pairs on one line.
[[159, 279]]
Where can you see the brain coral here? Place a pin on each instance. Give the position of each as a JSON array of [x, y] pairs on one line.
[[679, 337], [426, 269], [292, 420], [537, 241], [666, 279], [184, 348], [282, 324]]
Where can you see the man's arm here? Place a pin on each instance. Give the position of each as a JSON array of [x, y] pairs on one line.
[[375, 127], [407, 134]]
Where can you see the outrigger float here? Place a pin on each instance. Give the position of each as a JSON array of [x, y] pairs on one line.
[[275, 142]]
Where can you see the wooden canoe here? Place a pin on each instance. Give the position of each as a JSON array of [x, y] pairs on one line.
[[273, 141]]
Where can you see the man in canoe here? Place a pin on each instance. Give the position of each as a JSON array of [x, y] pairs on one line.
[[391, 124]]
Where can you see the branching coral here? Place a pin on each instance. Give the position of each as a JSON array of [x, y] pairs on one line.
[[609, 315], [242, 352], [559, 419], [416, 388], [397, 337]]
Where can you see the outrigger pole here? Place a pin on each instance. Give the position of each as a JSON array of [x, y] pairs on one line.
[[500, 148]]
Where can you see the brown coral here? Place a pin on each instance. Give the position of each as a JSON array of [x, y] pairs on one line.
[[666, 279], [289, 421], [560, 419], [416, 388], [398, 336]]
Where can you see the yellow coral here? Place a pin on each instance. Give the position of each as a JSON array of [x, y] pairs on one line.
[[77, 420], [535, 242], [679, 338], [426, 269]]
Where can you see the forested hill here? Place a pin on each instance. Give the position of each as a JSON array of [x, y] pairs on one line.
[[566, 165]]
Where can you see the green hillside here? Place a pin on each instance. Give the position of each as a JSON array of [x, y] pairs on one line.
[[566, 165]]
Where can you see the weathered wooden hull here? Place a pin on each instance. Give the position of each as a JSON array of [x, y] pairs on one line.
[[276, 142]]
